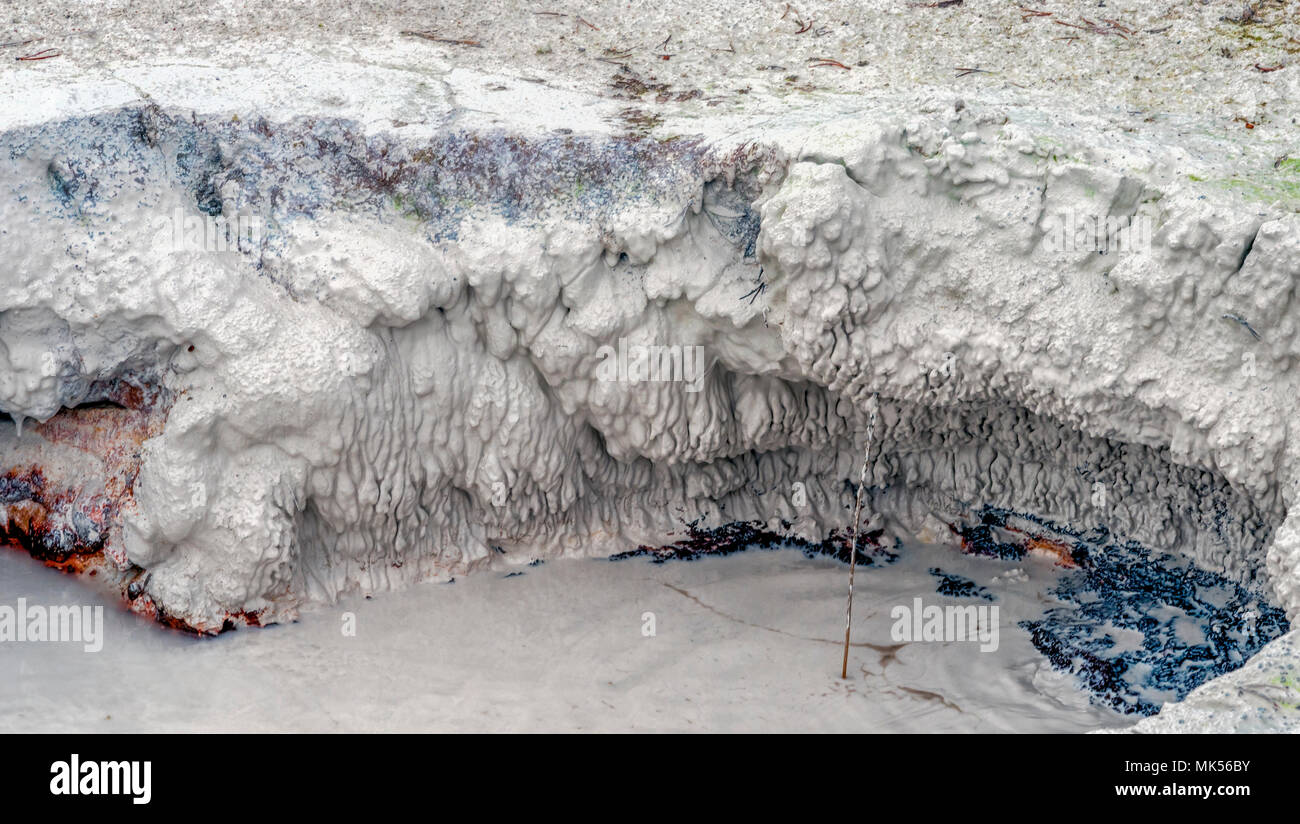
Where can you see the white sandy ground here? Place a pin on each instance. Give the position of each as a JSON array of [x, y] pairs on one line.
[[1175, 57], [742, 643], [748, 59]]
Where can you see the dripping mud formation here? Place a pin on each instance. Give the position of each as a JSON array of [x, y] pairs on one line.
[[256, 358]]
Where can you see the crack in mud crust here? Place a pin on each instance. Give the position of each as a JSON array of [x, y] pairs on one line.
[[888, 652]]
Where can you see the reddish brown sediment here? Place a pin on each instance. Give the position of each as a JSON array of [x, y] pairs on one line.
[[1038, 545], [1055, 551], [71, 521]]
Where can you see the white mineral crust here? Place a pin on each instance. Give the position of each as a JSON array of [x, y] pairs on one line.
[[401, 372]]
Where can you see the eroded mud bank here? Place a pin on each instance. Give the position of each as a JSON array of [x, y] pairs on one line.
[[259, 363]]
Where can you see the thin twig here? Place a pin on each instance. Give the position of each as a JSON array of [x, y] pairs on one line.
[[433, 36], [1111, 27], [857, 519], [818, 62], [40, 55]]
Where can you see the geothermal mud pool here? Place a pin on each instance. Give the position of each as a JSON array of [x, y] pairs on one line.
[[745, 641], [267, 348]]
